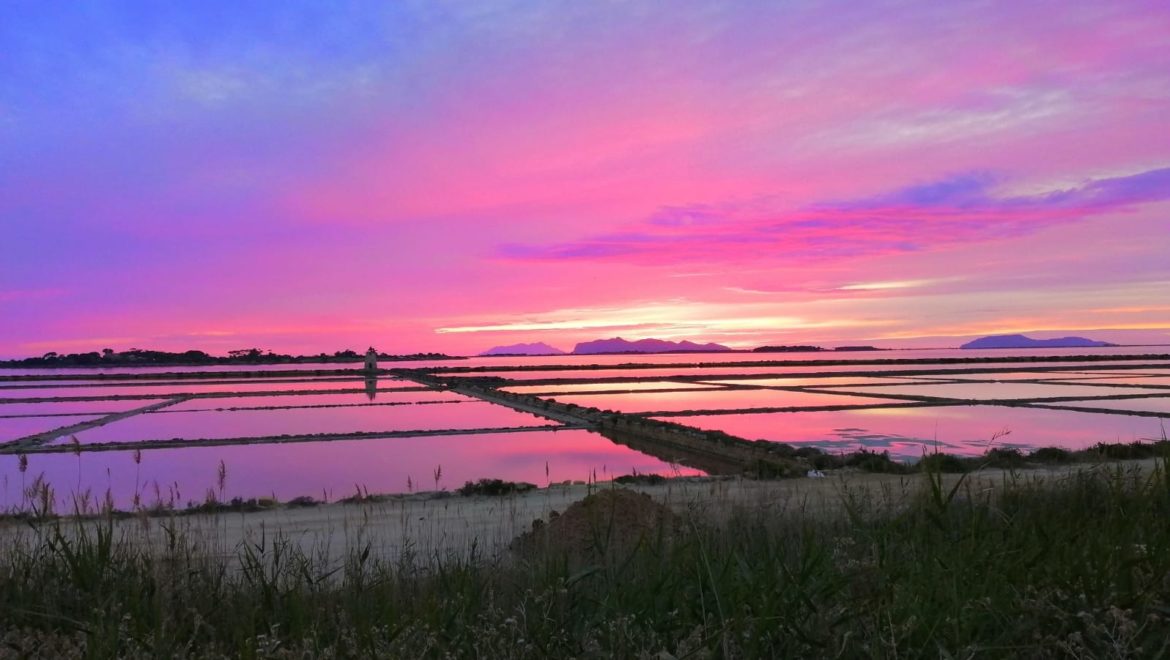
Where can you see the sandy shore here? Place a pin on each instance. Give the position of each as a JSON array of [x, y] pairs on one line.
[[429, 526]]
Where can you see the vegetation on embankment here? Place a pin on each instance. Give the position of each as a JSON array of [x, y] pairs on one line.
[[135, 357], [1002, 458], [1071, 567], [764, 458]]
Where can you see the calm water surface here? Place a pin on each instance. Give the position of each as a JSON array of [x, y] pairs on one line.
[[318, 400], [1159, 404], [1002, 390], [71, 407], [333, 468], [19, 427], [717, 399], [908, 432], [329, 469], [364, 419]]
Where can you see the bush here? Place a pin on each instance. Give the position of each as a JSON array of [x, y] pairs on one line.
[[1051, 455], [765, 469], [1005, 458], [871, 461], [495, 487], [939, 462], [822, 461], [1118, 451], [643, 479], [302, 502]]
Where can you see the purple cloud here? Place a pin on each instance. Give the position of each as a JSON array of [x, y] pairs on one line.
[[959, 208]]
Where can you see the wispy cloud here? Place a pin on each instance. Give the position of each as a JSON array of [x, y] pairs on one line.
[[897, 284], [84, 344], [957, 209], [677, 319], [994, 114]]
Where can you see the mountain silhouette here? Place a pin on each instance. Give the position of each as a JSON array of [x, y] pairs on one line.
[[619, 345], [1021, 341], [537, 348]]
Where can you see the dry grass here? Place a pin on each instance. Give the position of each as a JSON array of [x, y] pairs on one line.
[[1069, 562]]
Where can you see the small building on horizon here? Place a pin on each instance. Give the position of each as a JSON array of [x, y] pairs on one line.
[[371, 360]]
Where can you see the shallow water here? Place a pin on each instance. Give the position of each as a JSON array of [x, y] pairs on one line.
[[795, 371], [1152, 382], [1013, 376], [19, 427], [194, 387], [297, 469], [854, 356], [316, 400], [80, 372], [71, 407], [835, 381], [908, 432], [330, 470], [617, 387], [1001, 391], [1159, 405], [716, 400], [303, 421], [64, 386]]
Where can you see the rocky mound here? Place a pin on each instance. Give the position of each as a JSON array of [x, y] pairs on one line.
[[608, 524]]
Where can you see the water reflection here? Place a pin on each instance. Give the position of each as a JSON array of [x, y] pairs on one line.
[[909, 432], [329, 470], [721, 399], [301, 421], [20, 427], [333, 468]]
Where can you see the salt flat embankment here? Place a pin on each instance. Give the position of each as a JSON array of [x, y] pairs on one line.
[[434, 525]]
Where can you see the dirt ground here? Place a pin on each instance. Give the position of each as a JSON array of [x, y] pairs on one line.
[[429, 526]]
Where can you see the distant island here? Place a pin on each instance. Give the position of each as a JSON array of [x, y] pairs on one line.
[[145, 358], [619, 345], [787, 349], [1021, 341], [536, 348], [811, 349]]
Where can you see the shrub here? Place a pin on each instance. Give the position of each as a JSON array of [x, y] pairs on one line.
[[871, 461], [1005, 458], [643, 479], [495, 487], [939, 462], [1119, 451], [1051, 455]]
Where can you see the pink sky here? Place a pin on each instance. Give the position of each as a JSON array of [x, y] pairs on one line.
[[450, 178]]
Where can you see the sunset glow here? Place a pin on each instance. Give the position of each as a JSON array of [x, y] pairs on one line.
[[452, 176]]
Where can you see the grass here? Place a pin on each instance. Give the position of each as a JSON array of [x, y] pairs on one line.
[[1072, 567], [42, 500]]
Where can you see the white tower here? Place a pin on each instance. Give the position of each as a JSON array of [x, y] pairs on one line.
[[371, 361]]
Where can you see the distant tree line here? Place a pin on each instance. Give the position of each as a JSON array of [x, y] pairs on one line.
[[139, 357], [810, 349]]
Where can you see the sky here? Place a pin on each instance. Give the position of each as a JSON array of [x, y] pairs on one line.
[[451, 176]]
